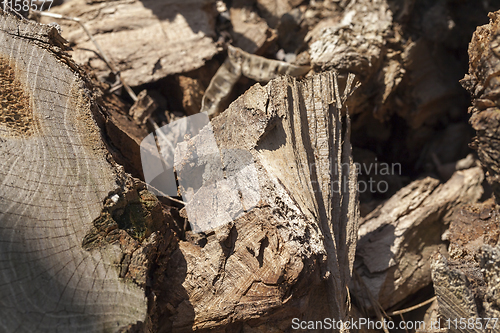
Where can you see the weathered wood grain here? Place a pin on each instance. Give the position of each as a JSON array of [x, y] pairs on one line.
[[466, 281], [146, 40], [404, 57], [483, 84], [398, 239], [292, 254], [355, 40], [54, 176]]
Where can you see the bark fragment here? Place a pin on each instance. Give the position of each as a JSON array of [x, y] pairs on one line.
[[162, 38], [397, 239], [483, 84], [466, 283], [240, 63]]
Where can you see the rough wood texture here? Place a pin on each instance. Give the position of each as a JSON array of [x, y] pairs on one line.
[[354, 40], [467, 282], [54, 176], [408, 56], [397, 239], [237, 63], [291, 255], [146, 40], [249, 31], [484, 85], [401, 73], [124, 135]]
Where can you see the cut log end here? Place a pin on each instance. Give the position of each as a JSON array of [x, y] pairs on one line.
[[54, 174]]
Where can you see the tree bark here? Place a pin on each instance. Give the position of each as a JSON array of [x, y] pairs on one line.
[[482, 83], [465, 281]]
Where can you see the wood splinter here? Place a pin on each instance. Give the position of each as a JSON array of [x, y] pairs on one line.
[[240, 63]]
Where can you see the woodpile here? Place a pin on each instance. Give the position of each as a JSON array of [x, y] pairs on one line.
[[398, 238], [368, 197]]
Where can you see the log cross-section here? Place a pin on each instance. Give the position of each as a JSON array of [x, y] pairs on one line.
[[54, 176]]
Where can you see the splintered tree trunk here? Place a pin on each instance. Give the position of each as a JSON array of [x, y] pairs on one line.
[[291, 256], [80, 240], [54, 176]]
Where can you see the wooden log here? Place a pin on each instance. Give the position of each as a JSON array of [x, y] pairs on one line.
[[333, 41], [55, 175], [483, 84], [162, 38], [466, 282], [292, 254], [73, 263], [397, 239]]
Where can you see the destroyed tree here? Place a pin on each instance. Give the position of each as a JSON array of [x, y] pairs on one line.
[[290, 253], [86, 248]]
